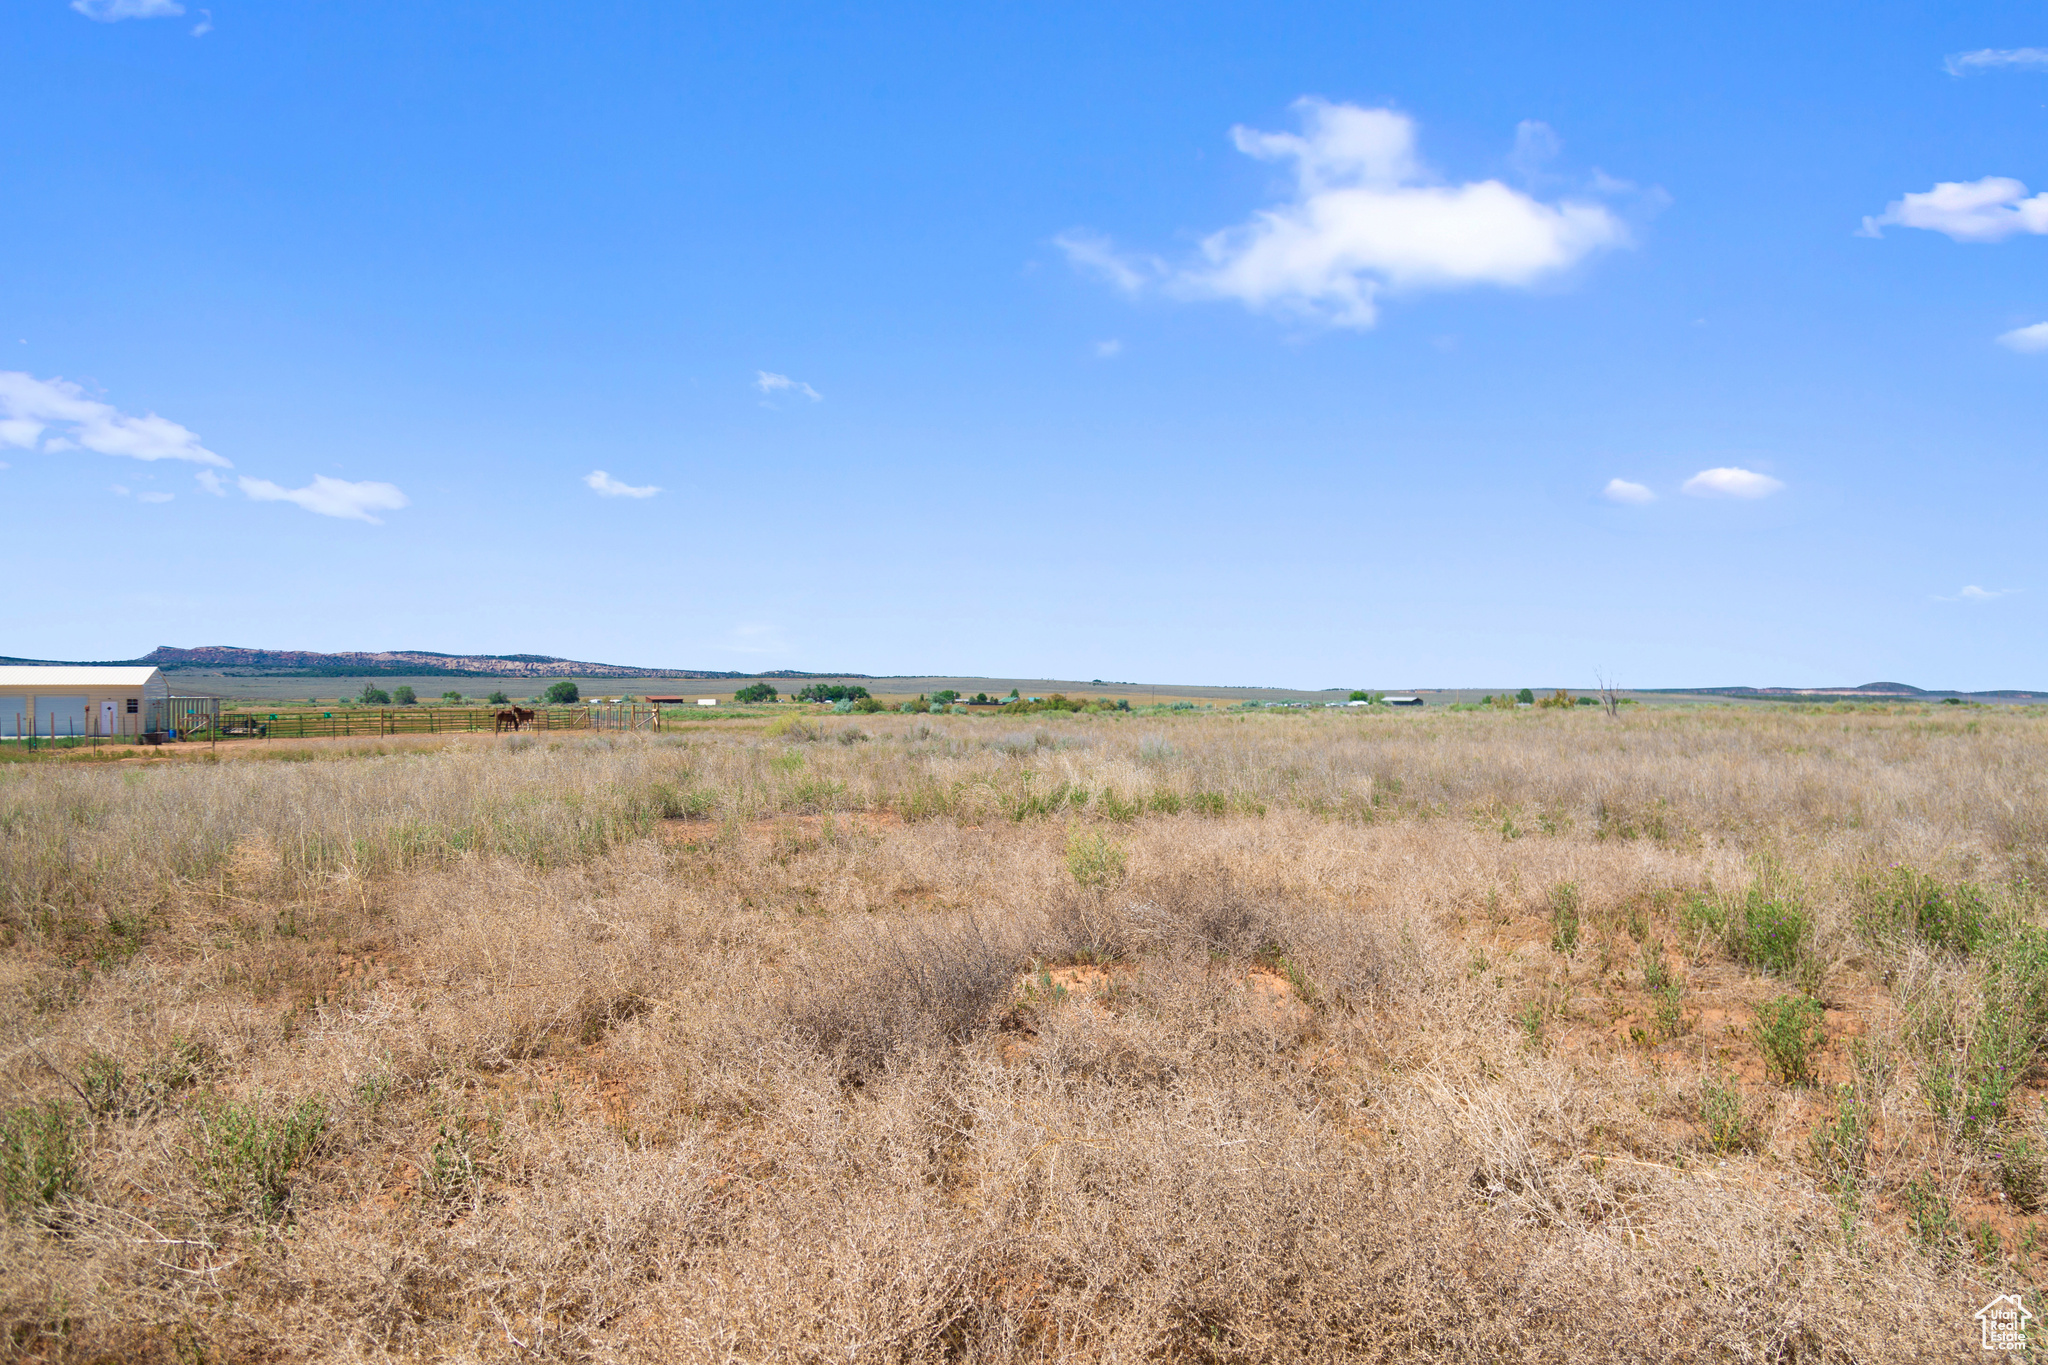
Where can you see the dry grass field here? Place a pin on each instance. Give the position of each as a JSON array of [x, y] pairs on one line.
[[1695, 1035]]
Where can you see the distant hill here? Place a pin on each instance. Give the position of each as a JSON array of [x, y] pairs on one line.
[[1867, 691], [305, 663]]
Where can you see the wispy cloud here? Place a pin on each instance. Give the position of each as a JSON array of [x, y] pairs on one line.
[[1366, 216], [1994, 58], [205, 24], [331, 497], [1093, 254], [31, 407], [1730, 483], [212, 483], [1987, 210], [2027, 340], [112, 11], [1973, 593], [154, 497], [1108, 350], [779, 385], [1621, 490], [605, 486]]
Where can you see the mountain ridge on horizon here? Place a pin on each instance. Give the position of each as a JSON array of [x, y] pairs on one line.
[[241, 661], [303, 663]]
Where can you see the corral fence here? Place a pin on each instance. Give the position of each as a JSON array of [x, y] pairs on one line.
[[624, 716], [395, 720]]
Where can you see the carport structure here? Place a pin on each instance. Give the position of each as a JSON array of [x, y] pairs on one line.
[[66, 701]]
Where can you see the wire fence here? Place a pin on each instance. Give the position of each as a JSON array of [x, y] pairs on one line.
[[346, 721]]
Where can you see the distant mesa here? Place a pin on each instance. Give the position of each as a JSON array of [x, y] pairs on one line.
[[1875, 689], [306, 663]]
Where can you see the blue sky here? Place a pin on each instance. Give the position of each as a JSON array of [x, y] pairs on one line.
[[1297, 345]]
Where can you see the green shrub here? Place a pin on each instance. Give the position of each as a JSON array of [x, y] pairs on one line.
[[1840, 1145], [498, 698], [1703, 914], [1723, 1115], [1094, 860], [1671, 1020], [113, 1091], [1114, 807], [372, 695], [2022, 1173], [405, 696], [1904, 902], [1928, 1215], [39, 1161], [1526, 697], [561, 693], [1790, 1030], [868, 706], [1656, 975], [1564, 918], [246, 1157], [1770, 933]]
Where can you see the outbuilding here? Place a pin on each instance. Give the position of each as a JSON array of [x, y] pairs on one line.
[[64, 701]]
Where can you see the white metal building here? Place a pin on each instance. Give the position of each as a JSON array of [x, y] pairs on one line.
[[62, 700]]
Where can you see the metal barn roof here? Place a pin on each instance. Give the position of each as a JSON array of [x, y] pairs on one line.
[[68, 678]]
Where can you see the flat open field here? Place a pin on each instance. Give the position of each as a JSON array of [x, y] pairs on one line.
[[1704, 1034]]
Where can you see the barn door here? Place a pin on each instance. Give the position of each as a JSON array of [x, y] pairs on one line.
[[106, 718]]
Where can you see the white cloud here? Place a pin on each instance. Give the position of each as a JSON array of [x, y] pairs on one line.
[[204, 26], [109, 11], [211, 482], [154, 497], [772, 384], [1991, 58], [1096, 255], [1108, 350], [331, 497], [1973, 593], [1621, 490], [29, 407], [1536, 146], [608, 487], [2027, 340], [1987, 210], [1367, 216], [1731, 483]]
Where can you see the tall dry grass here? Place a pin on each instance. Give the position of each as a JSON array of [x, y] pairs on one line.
[[1216, 1038]]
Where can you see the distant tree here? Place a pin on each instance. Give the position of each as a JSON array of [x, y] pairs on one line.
[[1526, 697], [562, 693], [452, 698], [405, 696], [373, 695], [981, 699], [1359, 696], [1588, 701], [753, 693], [1012, 696], [945, 698], [499, 698], [868, 706], [832, 692]]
